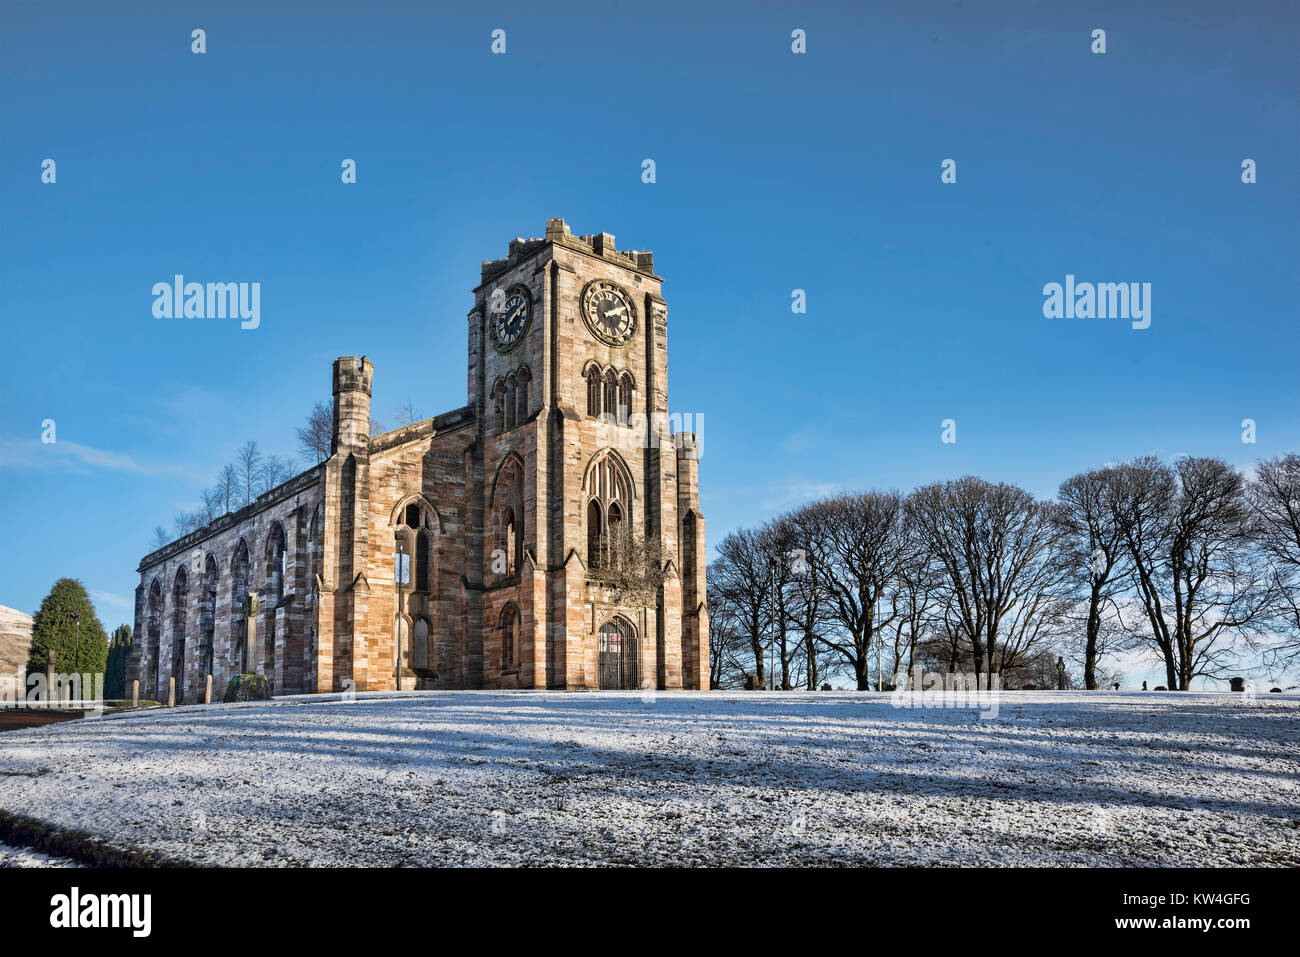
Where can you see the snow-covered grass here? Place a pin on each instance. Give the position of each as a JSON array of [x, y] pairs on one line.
[[25, 857], [677, 778]]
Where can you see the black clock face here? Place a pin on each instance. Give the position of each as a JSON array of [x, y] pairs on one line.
[[509, 324], [609, 312]]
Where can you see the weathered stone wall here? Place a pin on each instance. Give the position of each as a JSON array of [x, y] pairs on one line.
[[335, 627], [422, 464], [287, 622]]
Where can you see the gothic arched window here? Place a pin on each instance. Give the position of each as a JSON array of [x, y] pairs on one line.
[[507, 511], [497, 402], [521, 395], [207, 614], [153, 640], [615, 525], [509, 625], [240, 578], [509, 403], [608, 486], [180, 611], [610, 396], [625, 386], [595, 535], [276, 564], [422, 560], [593, 392]]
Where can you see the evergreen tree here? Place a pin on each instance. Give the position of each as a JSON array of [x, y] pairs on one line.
[[115, 672], [53, 627]]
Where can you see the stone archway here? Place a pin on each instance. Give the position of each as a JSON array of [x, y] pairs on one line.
[[618, 657]]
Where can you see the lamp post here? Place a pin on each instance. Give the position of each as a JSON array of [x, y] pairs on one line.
[[402, 572]]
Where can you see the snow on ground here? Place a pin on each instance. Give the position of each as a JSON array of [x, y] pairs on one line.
[[24, 857], [509, 778]]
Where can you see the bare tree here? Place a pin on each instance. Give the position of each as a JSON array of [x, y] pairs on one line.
[[634, 565], [317, 435], [1274, 495], [860, 546], [1198, 574], [740, 577], [228, 488], [248, 468], [807, 594], [1000, 554], [274, 471], [407, 415], [728, 646], [1090, 515], [211, 505]]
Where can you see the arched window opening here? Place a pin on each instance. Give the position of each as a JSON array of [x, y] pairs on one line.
[[422, 560], [507, 532], [207, 615], [593, 392], [509, 403], [153, 642], [624, 398], [497, 399], [521, 395], [180, 612], [507, 512], [276, 564], [402, 558], [509, 622], [239, 582], [315, 545], [616, 544], [610, 399], [595, 535]]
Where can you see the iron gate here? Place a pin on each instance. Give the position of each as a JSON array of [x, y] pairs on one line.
[[618, 655]]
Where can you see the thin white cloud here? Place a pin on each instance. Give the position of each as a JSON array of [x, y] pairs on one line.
[[108, 598], [62, 454]]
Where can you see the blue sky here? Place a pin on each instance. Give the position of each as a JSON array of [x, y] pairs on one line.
[[775, 171]]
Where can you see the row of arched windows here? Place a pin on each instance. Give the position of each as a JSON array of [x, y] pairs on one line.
[[272, 594], [509, 399], [609, 393]]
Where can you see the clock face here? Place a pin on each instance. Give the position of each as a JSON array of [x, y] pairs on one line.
[[509, 324], [609, 312]]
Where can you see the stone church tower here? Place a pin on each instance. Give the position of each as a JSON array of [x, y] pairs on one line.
[[546, 535]]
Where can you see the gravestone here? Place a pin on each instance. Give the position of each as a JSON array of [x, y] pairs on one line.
[[1237, 684]]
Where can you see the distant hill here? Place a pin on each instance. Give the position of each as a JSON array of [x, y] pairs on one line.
[[15, 640]]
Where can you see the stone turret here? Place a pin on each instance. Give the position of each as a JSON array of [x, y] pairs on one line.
[[352, 382]]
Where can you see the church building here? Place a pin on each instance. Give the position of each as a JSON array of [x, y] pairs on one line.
[[548, 534]]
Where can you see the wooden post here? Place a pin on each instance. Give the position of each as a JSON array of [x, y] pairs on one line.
[[135, 693], [171, 692], [207, 692]]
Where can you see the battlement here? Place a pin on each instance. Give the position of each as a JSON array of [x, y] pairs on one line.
[[687, 443], [557, 231], [353, 374]]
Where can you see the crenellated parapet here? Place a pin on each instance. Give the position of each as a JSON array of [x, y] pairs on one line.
[[557, 232]]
